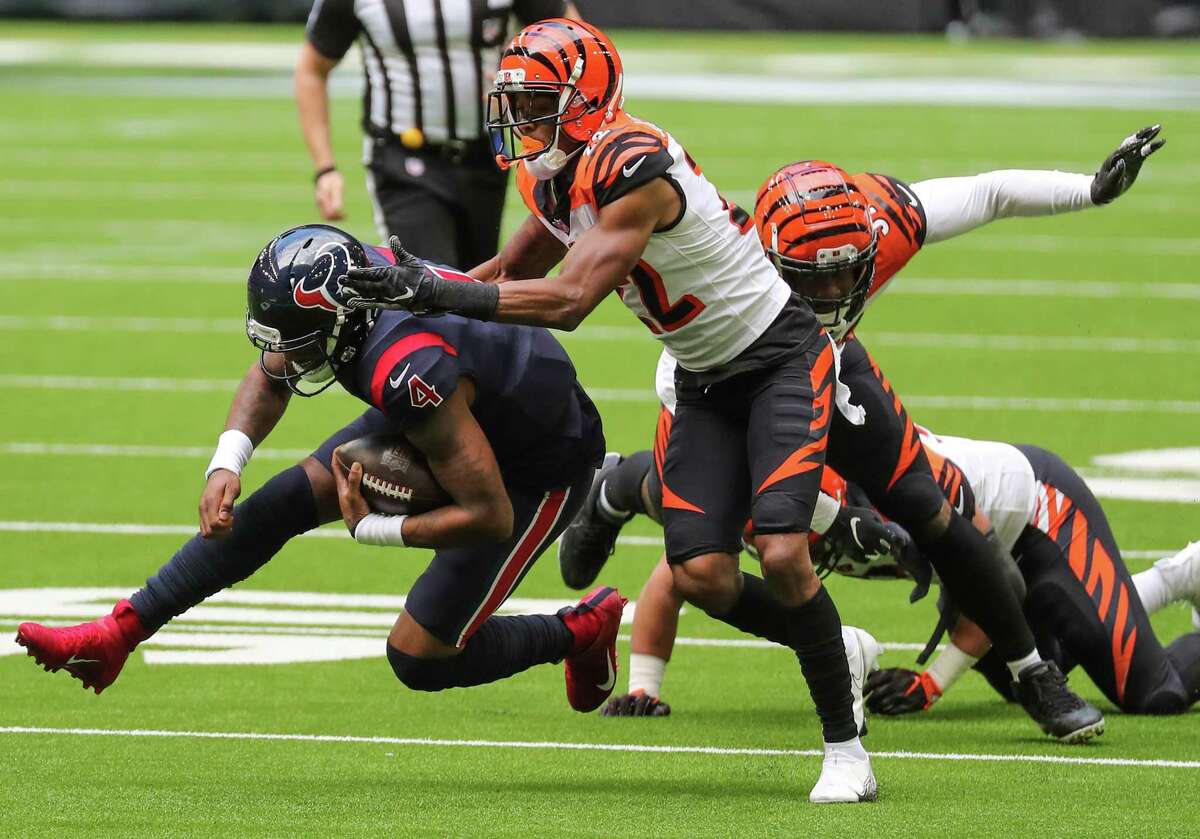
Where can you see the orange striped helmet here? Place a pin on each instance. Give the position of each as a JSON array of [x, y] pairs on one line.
[[815, 225], [561, 72]]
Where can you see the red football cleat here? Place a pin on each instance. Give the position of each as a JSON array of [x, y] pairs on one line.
[[93, 653], [591, 666]]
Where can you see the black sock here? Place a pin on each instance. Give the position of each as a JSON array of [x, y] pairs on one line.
[[973, 574], [502, 647], [623, 486], [1184, 653], [815, 633], [281, 508], [757, 612]]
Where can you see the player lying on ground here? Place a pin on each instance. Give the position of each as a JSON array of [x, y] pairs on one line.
[[838, 240], [1084, 606], [507, 432], [1082, 603], [639, 217]]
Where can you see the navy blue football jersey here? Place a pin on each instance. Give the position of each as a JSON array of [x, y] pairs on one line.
[[539, 421]]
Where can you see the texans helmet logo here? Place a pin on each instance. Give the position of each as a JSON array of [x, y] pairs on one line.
[[318, 289]]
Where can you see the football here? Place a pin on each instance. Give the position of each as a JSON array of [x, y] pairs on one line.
[[396, 478]]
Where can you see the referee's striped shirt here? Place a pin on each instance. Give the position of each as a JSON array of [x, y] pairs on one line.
[[428, 63]]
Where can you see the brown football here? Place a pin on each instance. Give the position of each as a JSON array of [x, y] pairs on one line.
[[396, 478]]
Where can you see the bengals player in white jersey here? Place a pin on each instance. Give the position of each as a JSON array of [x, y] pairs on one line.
[[619, 202], [838, 240]]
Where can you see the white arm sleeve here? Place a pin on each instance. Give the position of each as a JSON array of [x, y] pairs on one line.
[[954, 206]]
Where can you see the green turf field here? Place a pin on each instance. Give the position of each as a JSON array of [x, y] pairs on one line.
[[134, 199]]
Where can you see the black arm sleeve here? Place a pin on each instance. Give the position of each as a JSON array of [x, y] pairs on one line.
[[332, 27]]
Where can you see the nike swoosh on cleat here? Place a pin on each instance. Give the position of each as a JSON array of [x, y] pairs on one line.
[[628, 171], [608, 683], [854, 530], [74, 660]]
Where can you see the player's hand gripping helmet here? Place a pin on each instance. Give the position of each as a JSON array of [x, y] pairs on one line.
[[297, 307], [558, 73], [815, 225]]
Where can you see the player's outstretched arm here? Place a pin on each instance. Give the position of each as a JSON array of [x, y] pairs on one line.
[[530, 252], [257, 407], [598, 262], [954, 206], [462, 460]]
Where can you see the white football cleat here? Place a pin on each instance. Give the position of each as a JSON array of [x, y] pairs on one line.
[[862, 654], [1181, 573], [846, 778]]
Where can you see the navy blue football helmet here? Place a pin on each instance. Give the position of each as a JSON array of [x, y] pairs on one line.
[[296, 305]]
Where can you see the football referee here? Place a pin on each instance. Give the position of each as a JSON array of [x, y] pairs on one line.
[[428, 64]]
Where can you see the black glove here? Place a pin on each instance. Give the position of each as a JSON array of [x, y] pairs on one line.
[[410, 284], [898, 691], [636, 705], [1120, 169], [860, 534]]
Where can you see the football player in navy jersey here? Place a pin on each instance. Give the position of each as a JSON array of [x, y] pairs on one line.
[[507, 432]]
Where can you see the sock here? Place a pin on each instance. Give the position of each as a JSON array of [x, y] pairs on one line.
[[1018, 664], [974, 575], [502, 647], [646, 673], [1152, 589], [280, 509], [1184, 653], [815, 632], [757, 612], [621, 492], [851, 748]]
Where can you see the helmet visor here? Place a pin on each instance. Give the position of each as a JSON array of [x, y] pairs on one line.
[[524, 122]]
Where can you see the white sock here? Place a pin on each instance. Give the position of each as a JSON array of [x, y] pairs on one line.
[[607, 509], [1152, 589], [850, 748], [646, 673], [1015, 667]]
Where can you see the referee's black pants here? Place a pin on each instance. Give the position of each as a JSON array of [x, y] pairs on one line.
[[442, 209]]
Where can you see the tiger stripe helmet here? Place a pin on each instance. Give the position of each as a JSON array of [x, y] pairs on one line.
[[571, 60], [815, 225]]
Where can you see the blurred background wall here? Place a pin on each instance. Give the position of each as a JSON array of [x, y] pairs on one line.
[[990, 18]]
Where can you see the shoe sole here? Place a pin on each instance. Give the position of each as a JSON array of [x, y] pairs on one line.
[[33, 653], [1084, 734], [870, 795]]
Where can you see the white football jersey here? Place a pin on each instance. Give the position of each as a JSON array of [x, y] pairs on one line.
[[703, 286], [1000, 476]]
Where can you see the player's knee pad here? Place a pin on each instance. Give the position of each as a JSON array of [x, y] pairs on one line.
[[780, 512], [428, 674], [654, 495]]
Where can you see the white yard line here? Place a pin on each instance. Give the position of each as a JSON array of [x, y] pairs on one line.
[[590, 747], [332, 532], [623, 334], [602, 394]]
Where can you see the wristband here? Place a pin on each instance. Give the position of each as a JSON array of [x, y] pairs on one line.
[[382, 531], [474, 300], [950, 664], [824, 513], [320, 173], [233, 452]]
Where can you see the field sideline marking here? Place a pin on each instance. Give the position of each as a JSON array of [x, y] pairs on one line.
[[139, 529], [593, 747], [1040, 404], [621, 334]]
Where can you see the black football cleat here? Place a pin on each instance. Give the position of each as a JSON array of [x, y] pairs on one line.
[[1042, 689], [591, 538]]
